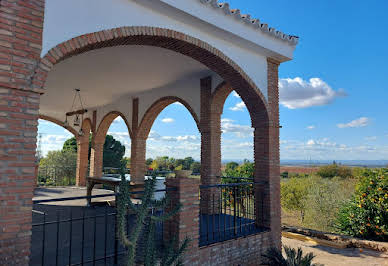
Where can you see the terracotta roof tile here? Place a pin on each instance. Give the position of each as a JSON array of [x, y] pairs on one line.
[[293, 40]]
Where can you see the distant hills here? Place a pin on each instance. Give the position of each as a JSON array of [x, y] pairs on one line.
[[365, 163]]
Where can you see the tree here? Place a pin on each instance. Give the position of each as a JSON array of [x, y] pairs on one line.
[[231, 166], [149, 162], [59, 167], [294, 194], [187, 162], [246, 170], [333, 170], [196, 167], [113, 151], [70, 145], [366, 214]]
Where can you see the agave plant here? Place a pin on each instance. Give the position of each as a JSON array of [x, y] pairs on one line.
[[274, 257]]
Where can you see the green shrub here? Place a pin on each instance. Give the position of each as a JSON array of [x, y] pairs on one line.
[[294, 193], [366, 214], [332, 170], [284, 174], [325, 198]]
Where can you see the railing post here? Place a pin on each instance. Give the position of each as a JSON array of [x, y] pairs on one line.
[[185, 224]]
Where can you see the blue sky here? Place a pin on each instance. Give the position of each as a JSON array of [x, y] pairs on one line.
[[333, 94]]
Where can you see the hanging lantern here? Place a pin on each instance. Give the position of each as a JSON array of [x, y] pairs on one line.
[[78, 113], [76, 122]]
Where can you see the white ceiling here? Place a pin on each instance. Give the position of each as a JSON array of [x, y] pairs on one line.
[[106, 75]]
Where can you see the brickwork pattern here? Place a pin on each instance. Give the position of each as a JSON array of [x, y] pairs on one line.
[[274, 150], [210, 149], [21, 25], [185, 224], [18, 130], [83, 153], [241, 251]]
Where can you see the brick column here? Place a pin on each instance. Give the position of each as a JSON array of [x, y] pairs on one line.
[[185, 224], [267, 161], [21, 24], [138, 160], [82, 159], [138, 148], [210, 126], [96, 158]]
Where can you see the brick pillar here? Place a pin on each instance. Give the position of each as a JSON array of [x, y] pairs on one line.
[[267, 161], [210, 126], [21, 24], [185, 224], [82, 159], [138, 160], [138, 148], [96, 158]]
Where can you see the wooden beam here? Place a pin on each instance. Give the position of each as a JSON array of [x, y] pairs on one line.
[[78, 112]]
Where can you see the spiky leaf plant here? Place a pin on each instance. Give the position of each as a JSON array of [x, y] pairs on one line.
[[274, 257], [145, 222]]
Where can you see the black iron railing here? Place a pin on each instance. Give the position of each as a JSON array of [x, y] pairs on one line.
[[65, 233], [228, 211]]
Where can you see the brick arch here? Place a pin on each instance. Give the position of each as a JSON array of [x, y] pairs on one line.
[[219, 97], [59, 123], [179, 42], [86, 128], [156, 108], [87, 125], [106, 122]]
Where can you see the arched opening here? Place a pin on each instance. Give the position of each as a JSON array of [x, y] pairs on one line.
[[254, 140], [174, 141], [109, 148], [56, 163], [236, 139], [178, 110]]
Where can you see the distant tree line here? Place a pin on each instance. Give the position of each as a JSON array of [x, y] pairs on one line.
[[165, 163]]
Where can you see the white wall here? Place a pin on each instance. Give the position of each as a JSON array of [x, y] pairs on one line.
[[67, 19]]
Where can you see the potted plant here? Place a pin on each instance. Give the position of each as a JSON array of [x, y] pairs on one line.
[[182, 172]]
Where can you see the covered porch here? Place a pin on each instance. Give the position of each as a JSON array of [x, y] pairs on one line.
[[131, 71]]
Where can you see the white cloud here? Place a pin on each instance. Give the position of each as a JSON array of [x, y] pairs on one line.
[[311, 127], [235, 94], [44, 122], [371, 138], [154, 136], [52, 142], [241, 131], [326, 149], [118, 120], [238, 107], [360, 122], [178, 103], [168, 120], [311, 142], [298, 93], [175, 146]]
